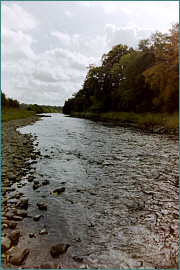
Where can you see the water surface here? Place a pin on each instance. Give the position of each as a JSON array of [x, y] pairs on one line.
[[120, 208]]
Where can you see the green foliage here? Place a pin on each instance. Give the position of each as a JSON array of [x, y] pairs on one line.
[[37, 108], [9, 101], [42, 109], [163, 76], [143, 80], [135, 93]]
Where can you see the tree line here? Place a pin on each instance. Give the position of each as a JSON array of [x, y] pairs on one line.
[[44, 108], [9, 102], [141, 80]]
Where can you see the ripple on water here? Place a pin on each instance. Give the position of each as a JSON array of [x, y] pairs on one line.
[[119, 197]]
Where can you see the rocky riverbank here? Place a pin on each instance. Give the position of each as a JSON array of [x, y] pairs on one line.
[[17, 156]]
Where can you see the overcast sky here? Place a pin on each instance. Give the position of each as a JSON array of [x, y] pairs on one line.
[[47, 46]]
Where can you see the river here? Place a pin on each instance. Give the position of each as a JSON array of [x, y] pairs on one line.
[[120, 207]]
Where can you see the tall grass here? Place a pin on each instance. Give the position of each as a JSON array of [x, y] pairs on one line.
[[10, 113], [166, 120]]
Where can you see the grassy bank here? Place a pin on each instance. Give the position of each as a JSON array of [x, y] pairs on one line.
[[170, 121], [10, 113]]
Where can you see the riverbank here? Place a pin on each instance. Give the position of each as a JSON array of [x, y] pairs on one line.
[[16, 151], [155, 123], [10, 113], [18, 154]]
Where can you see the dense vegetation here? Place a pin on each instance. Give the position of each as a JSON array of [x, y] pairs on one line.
[[129, 80], [9, 102], [44, 108], [12, 109]]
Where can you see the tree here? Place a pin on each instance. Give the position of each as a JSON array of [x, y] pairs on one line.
[[112, 74], [9, 101], [135, 93], [143, 80], [4, 101], [163, 76]]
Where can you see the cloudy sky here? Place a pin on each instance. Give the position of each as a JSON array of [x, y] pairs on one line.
[[46, 46]]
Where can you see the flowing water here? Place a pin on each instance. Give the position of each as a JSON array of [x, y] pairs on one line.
[[120, 208]]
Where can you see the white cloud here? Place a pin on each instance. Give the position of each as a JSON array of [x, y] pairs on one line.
[[129, 35], [63, 37], [74, 41], [109, 6], [50, 72], [68, 14], [16, 43], [14, 17], [15, 46]]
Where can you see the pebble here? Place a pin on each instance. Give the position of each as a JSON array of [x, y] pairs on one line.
[[36, 185], [45, 182], [43, 232], [42, 206], [37, 218], [31, 235], [77, 258], [59, 190]]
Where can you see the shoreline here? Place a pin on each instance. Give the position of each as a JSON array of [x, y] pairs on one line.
[[16, 158], [148, 127]]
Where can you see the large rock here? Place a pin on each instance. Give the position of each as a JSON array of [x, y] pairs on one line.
[[7, 189], [23, 204], [17, 218], [19, 257], [5, 244], [11, 224], [14, 235], [21, 213], [59, 249], [9, 215]]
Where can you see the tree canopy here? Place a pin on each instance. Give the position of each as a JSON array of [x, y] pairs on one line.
[[146, 79], [9, 101]]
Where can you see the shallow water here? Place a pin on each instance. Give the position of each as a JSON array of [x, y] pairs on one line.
[[120, 208]]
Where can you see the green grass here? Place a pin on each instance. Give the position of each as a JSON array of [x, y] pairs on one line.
[[166, 120], [10, 113]]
